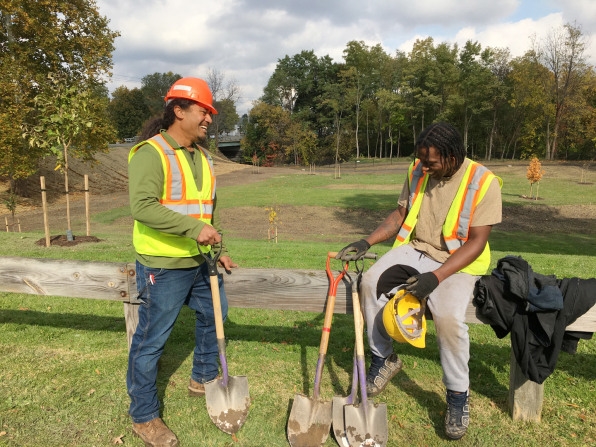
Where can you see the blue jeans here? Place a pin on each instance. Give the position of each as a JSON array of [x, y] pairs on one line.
[[163, 292]]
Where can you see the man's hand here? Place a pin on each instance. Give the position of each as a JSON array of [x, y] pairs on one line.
[[208, 236], [227, 263], [421, 286], [354, 251]]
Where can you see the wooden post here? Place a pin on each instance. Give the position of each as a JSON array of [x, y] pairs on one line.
[[525, 396], [66, 192], [6, 222], [87, 205], [44, 204]]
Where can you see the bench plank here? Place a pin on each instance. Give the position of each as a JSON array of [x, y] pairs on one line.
[[303, 290]]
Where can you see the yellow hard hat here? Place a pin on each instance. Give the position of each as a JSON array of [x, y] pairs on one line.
[[404, 320]]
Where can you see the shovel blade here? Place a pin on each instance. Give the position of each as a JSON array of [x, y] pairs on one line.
[[228, 405], [366, 427], [309, 422], [339, 421]]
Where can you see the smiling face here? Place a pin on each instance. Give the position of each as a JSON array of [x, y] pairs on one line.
[[196, 120], [190, 124], [435, 165]]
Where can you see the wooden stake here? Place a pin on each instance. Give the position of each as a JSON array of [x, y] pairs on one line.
[[87, 205], [6, 222], [44, 204]]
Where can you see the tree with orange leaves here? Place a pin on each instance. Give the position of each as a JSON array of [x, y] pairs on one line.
[[534, 174]]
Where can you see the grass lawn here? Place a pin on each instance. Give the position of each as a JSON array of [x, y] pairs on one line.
[[63, 361]]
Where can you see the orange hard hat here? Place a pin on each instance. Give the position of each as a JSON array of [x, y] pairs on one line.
[[194, 89]]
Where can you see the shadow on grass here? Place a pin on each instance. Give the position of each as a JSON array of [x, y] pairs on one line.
[[306, 332]]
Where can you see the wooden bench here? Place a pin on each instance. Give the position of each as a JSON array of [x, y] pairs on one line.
[[303, 290]]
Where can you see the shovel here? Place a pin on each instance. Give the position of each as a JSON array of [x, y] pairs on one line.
[[310, 418], [338, 423], [366, 422], [339, 426], [227, 398]]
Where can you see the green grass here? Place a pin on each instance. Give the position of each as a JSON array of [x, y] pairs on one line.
[[63, 362], [322, 190]]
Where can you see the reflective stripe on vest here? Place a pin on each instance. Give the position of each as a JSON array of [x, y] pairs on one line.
[[417, 177], [472, 188], [180, 194], [177, 195]]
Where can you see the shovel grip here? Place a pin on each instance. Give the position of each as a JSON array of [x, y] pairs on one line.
[[219, 330], [327, 324]]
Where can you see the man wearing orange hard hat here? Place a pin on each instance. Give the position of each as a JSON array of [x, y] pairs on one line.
[[173, 204]]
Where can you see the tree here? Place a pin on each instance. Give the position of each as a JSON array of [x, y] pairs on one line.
[[426, 87], [154, 88], [475, 84], [562, 53], [64, 114], [297, 85], [67, 40], [530, 105], [498, 64], [227, 117], [273, 135], [225, 96], [534, 174], [128, 111]]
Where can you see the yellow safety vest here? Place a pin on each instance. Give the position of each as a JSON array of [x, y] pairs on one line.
[[180, 194], [456, 227]]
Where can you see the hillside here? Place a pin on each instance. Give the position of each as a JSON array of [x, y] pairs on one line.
[[108, 190]]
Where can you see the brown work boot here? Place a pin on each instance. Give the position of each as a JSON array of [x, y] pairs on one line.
[[155, 433], [195, 388]]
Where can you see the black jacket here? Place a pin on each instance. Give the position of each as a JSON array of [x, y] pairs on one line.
[[535, 309]]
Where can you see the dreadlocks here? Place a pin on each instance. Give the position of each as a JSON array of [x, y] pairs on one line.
[[446, 140]]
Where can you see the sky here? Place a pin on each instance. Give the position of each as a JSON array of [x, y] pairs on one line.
[[244, 39]]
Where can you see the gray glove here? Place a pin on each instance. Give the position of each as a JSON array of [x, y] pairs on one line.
[[354, 251]]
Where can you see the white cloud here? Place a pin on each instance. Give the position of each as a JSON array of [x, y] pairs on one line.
[[244, 39]]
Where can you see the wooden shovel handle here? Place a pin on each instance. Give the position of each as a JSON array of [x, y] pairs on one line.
[[219, 328]]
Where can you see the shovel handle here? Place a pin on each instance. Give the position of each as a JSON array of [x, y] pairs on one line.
[[358, 331], [333, 283], [211, 261]]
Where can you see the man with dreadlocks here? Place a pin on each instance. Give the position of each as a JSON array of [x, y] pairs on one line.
[[443, 219]]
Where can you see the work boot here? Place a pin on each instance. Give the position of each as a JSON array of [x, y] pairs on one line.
[[155, 433], [196, 389], [380, 373], [457, 417]]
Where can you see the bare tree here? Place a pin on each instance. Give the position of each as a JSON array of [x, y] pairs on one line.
[[224, 91]]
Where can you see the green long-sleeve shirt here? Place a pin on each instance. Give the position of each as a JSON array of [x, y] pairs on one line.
[[146, 179]]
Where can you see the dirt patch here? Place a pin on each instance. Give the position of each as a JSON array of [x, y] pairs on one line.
[[108, 189], [62, 240]]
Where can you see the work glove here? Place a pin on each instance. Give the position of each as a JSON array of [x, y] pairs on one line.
[[354, 251], [421, 286]]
